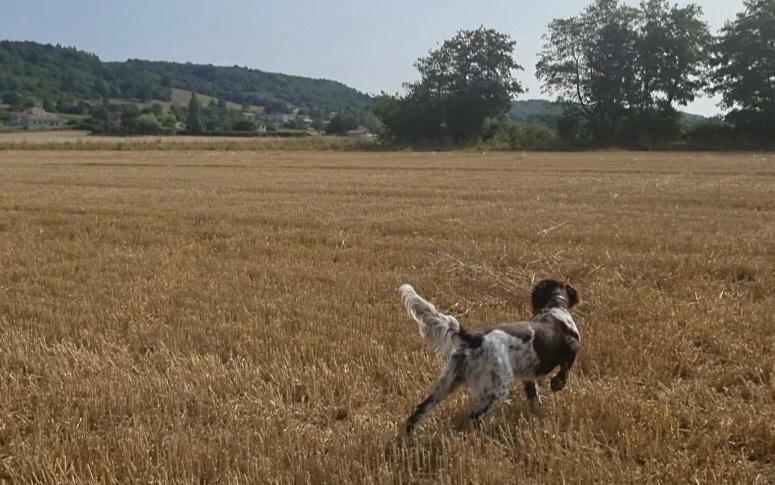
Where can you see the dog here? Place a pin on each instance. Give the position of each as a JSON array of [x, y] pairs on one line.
[[489, 360]]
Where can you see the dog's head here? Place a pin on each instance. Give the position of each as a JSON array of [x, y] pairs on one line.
[[553, 293]]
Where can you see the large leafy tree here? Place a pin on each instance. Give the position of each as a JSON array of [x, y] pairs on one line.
[[588, 60], [744, 68], [625, 68], [672, 53], [466, 80], [472, 77]]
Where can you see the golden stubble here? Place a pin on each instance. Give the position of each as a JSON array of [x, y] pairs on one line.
[[233, 317]]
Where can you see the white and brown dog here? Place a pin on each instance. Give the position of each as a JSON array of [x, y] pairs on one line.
[[490, 359]]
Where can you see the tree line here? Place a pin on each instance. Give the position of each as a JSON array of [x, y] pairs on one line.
[[621, 73]]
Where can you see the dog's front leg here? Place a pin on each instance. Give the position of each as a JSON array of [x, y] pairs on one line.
[[561, 378]]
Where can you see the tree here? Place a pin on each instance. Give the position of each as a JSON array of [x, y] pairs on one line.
[[341, 124], [672, 49], [156, 109], [624, 68], [195, 124], [168, 122], [468, 79], [243, 125], [744, 68], [43, 71], [471, 76], [147, 124], [589, 60]]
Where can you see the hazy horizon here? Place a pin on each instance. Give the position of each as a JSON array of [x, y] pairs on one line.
[[370, 46]]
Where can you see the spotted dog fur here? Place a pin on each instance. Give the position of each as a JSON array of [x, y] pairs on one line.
[[489, 360]]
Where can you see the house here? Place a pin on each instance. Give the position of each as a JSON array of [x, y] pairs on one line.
[[361, 132], [278, 118], [36, 119]]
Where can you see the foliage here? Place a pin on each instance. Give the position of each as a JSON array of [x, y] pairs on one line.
[[468, 79], [672, 49], [622, 65], [341, 124], [244, 125], [50, 72], [744, 69], [277, 92], [147, 124]]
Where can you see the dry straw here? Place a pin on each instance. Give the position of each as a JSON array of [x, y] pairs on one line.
[[233, 317]]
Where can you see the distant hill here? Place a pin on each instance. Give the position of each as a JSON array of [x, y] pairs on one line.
[[524, 110], [550, 112], [49, 72]]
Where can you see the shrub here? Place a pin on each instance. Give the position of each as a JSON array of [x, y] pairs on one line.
[[501, 134], [147, 124], [243, 125]]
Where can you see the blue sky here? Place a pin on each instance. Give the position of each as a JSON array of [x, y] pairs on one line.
[[367, 44]]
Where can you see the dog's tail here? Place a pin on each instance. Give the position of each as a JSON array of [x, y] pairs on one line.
[[441, 332]]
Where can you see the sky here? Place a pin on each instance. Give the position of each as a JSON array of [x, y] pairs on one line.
[[370, 45]]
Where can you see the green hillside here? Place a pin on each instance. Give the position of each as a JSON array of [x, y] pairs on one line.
[[536, 110], [550, 112], [47, 72]]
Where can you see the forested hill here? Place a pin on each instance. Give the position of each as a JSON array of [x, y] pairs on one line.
[[550, 112], [49, 72]]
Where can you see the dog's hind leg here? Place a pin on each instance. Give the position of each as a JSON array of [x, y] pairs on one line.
[[450, 378], [492, 394], [487, 404]]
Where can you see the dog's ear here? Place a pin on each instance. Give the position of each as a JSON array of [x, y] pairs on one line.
[[573, 295]]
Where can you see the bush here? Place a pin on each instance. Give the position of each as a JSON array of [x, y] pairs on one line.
[[575, 129], [715, 135], [708, 132], [243, 125], [147, 124], [651, 128], [341, 124], [501, 134]]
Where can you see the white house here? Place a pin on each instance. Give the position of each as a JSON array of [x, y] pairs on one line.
[[36, 119]]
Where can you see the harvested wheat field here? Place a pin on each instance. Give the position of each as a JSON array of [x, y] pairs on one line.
[[233, 317]]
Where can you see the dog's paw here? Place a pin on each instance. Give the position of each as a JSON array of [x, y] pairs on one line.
[[558, 383]]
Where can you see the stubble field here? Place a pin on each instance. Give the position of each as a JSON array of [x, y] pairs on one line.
[[233, 317]]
